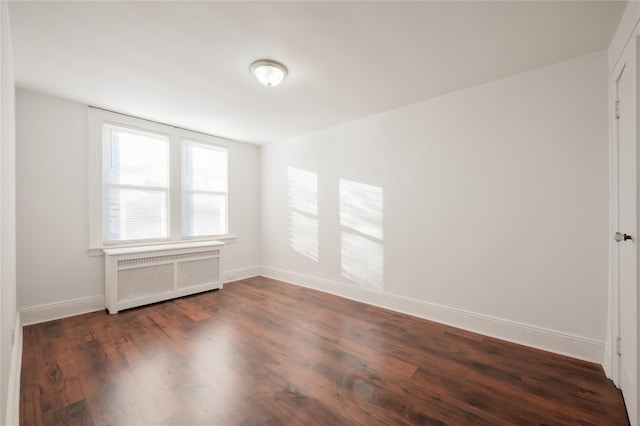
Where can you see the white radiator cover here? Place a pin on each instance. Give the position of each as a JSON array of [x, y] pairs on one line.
[[136, 276]]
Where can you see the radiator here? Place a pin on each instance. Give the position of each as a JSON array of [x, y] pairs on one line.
[[136, 276]]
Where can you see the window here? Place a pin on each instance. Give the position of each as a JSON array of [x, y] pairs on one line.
[[204, 189], [136, 185], [155, 183]]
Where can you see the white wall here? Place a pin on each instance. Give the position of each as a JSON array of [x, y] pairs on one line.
[[56, 275], [495, 206], [8, 351], [52, 204]]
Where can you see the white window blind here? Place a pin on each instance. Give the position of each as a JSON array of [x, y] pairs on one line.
[[136, 192], [204, 189]]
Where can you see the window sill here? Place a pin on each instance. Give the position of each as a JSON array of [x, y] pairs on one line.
[[98, 251]]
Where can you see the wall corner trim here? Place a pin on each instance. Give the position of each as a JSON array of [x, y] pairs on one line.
[[515, 332]]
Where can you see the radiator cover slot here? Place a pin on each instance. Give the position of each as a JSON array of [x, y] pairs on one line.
[[166, 258]]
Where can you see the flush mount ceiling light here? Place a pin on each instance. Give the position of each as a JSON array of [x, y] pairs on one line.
[[268, 72]]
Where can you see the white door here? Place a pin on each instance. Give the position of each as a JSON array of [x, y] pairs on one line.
[[627, 238]]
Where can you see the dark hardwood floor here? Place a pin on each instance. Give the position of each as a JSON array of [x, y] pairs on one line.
[[262, 352]]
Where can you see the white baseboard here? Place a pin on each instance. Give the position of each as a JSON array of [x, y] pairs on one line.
[[13, 398], [241, 274], [524, 334], [57, 310]]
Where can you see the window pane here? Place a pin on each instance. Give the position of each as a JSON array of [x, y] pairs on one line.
[[205, 168], [133, 214], [204, 214], [139, 159]]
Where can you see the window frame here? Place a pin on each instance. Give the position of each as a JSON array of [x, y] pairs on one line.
[[183, 176], [98, 121], [106, 185]]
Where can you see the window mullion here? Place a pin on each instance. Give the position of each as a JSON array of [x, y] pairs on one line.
[[175, 192]]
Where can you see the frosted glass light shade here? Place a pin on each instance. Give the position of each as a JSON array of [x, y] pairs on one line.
[[268, 72]]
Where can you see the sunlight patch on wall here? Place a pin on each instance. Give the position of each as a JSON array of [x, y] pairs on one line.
[[362, 260], [362, 252], [303, 212], [304, 235]]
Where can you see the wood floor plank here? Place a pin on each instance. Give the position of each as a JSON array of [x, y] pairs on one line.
[[75, 414], [264, 352]]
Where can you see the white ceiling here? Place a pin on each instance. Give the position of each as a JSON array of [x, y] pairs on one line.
[[187, 63]]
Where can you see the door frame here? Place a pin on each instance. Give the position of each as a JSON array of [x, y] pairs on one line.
[[629, 55]]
